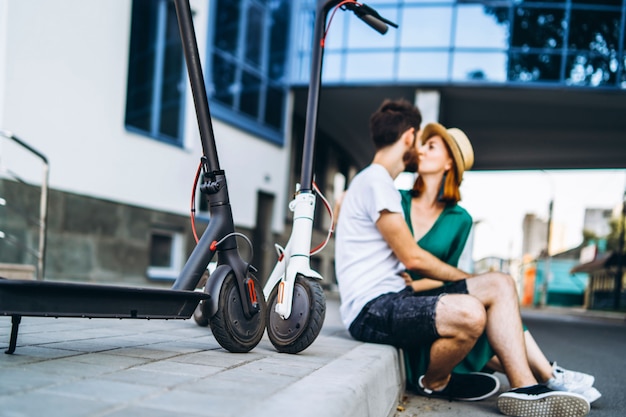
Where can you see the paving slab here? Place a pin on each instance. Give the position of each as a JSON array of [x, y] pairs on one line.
[[110, 367]]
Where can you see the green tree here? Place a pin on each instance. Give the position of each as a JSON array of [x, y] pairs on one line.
[[612, 240], [543, 46], [589, 236]]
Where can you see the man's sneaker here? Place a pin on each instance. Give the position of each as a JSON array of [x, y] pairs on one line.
[[474, 386], [566, 380], [541, 401]]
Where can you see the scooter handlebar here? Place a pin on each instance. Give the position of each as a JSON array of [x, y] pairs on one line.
[[370, 17]]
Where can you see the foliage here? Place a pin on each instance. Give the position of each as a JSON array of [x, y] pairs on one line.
[[545, 47], [612, 240]]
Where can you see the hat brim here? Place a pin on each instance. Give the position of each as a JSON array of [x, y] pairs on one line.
[[458, 143]]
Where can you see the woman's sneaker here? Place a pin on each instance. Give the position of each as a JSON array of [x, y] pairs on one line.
[[591, 394], [572, 381], [474, 386], [541, 401]]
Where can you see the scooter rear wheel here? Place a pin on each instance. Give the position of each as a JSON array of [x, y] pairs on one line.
[[308, 310], [231, 328]]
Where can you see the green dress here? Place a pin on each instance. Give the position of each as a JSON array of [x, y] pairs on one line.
[[446, 240]]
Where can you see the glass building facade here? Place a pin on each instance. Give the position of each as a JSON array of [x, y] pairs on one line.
[[246, 72], [573, 43]]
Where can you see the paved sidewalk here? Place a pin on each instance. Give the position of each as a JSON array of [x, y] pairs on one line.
[[107, 367], [111, 368]]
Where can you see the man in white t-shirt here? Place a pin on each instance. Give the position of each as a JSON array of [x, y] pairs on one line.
[[373, 247]]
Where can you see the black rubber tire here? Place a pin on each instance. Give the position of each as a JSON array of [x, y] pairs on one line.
[[304, 324], [231, 328]]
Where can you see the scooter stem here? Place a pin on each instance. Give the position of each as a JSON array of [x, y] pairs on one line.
[[194, 68], [306, 180]]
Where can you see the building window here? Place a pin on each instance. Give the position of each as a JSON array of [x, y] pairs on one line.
[[247, 82], [156, 72], [166, 254], [548, 42]]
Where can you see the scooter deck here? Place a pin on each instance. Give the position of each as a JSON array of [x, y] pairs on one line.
[[68, 299]]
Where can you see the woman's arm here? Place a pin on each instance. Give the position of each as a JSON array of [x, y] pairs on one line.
[[396, 232], [425, 284]]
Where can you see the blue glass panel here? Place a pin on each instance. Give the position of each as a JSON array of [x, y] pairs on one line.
[[480, 40], [369, 66], [591, 70], [426, 27], [476, 28], [479, 66], [622, 61], [598, 2], [172, 81], [331, 69], [141, 64], [361, 35], [534, 67], [426, 66], [250, 94], [335, 32], [254, 34], [377, 3], [155, 76], [538, 28], [227, 30], [249, 62], [431, 1], [223, 76], [597, 31], [275, 107], [279, 22]]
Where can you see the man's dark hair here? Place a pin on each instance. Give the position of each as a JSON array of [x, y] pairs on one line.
[[391, 120]]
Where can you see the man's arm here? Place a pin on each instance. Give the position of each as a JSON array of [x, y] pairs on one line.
[[394, 230]]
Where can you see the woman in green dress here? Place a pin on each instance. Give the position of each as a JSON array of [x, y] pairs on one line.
[[442, 227]]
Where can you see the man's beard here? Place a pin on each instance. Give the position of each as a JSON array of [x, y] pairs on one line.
[[410, 160]]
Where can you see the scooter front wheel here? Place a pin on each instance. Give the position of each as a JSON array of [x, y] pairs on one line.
[[231, 328], [308, 310]]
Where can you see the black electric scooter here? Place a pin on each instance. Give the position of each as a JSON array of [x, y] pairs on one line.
[[233, 300], [295, 298]]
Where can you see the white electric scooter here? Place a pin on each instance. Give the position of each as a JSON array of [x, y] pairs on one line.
[[296, 305]]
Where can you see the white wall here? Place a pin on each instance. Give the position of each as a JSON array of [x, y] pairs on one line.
[[64, 93], [3, 30]]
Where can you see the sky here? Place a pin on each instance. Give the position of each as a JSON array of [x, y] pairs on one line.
[[501, 199]]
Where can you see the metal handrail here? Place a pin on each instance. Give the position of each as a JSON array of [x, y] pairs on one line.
[[43, 201]]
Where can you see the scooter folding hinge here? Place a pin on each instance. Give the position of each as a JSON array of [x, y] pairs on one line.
[[211, 187]]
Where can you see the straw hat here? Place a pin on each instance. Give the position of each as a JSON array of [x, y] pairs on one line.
[[459, 144]]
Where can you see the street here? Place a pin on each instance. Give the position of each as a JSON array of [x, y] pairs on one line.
[[592, 345]]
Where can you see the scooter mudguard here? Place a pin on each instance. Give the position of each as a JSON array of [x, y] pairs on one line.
[[213, 288]]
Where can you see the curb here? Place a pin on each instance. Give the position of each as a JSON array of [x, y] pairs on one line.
[[364, 382]]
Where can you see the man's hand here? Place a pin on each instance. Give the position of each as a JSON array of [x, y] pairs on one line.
[[407, 278]]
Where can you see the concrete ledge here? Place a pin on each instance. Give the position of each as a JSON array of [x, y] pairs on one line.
[[367, 381], [17, 271]]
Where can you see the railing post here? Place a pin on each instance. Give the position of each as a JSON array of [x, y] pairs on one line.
[[43, 202]]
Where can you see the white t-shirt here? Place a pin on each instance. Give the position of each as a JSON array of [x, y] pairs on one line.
[[365, 265]]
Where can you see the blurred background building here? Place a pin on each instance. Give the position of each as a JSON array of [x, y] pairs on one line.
[[100, 89]]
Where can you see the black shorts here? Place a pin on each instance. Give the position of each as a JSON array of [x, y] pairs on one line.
[[402, 319]]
